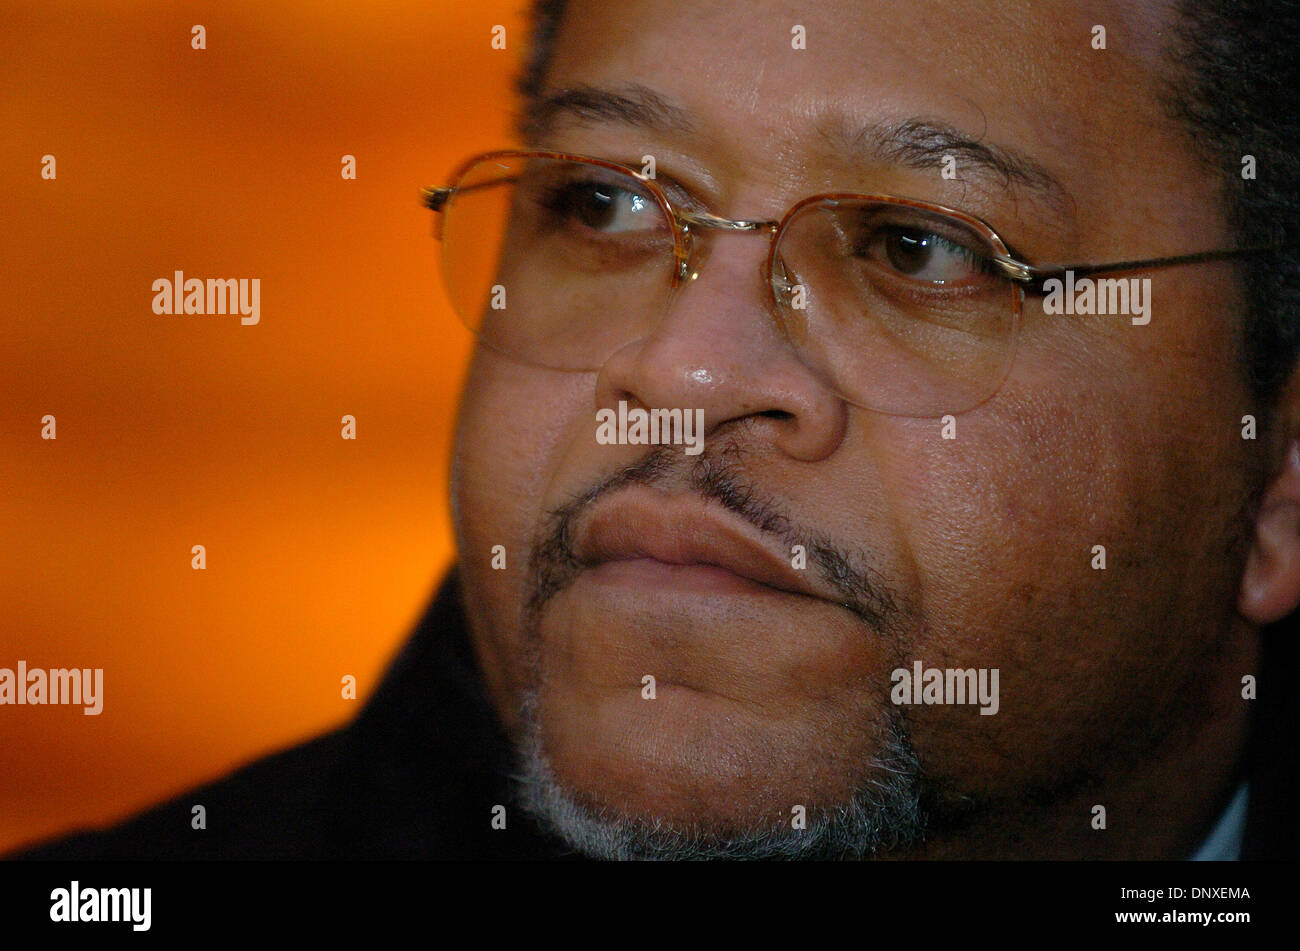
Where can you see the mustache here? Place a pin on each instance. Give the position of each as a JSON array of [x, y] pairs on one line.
[[553, 566]]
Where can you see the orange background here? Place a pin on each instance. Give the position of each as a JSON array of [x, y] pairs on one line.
[[174, 431]]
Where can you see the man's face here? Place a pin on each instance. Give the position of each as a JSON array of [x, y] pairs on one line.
[[977, 551]]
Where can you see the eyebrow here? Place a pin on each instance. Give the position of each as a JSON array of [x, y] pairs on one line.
[[918, 143], [925, 143], [633, 104]]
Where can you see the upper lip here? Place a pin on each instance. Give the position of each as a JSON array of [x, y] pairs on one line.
[[639, 522]]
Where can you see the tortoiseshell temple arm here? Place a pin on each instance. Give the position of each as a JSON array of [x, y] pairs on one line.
[[1033, 277]]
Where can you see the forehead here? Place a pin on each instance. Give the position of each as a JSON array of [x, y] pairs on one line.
[[786, 81], [758, 57]]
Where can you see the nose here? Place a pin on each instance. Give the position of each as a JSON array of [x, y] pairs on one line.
[[719, 347]]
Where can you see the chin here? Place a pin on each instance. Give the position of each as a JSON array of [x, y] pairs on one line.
[[694, 775], [686, 757], [883, 818]]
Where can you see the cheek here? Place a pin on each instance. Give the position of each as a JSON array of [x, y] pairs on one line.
[[1005, 518], [513, 425]]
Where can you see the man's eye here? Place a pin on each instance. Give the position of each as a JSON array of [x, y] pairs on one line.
[[603, 207], [923, 255]]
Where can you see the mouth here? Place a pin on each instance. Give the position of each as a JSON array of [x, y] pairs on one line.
[[651, 540]]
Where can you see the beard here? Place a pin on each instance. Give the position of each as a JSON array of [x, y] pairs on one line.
[[885, 814], [885, 811]]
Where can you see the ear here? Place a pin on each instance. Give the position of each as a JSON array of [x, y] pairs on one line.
[[1270, 585]]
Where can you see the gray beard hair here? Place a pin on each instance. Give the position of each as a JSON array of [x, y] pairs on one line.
[[884, 815]]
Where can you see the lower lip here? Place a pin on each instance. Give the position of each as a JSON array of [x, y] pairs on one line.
[[647, 573]]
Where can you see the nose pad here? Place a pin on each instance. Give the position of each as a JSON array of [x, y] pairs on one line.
[[789, 305], [688, 264], [697, 252], [684, 271]]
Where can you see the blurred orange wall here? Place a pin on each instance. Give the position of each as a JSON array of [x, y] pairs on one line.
[[175, 431]]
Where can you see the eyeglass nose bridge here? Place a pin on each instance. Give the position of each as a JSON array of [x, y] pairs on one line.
[[687, 261]]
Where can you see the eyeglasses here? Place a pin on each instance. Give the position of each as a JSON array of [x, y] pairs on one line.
[[904, 307]]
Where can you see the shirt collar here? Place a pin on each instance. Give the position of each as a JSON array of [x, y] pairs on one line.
[[1223, 844]]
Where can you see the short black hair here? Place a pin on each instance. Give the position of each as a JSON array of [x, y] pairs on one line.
[[546, 17], [1234, 82], [1237, 86]]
